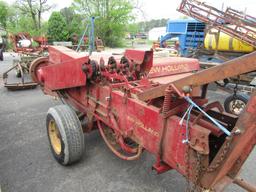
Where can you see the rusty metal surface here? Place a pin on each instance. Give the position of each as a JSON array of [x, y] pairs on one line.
[[228, 69], [239, 147], [20, 86], [247, 186], [22, 68]]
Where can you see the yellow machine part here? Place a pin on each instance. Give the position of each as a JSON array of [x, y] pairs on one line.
[[226, 43]]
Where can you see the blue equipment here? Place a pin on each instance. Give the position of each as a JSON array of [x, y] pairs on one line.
[[91, 36], [189, 32]]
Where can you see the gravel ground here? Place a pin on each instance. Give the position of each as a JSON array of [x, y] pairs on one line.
[[26, 163]]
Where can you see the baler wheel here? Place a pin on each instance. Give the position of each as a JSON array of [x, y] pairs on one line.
[[35, 64], [65, 134]]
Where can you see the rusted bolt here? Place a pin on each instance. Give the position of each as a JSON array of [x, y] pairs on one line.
[[186, 89], [237, 132]]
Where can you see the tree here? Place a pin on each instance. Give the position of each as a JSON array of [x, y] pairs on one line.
[[112, 16], [34, 9], [146, 26], [3, 14], [57, 27], [133, 28], [18, 22], [68, 14], [73, 21], [77, 26]]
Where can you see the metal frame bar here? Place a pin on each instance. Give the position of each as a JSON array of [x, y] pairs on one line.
[[243, 28], [228, 69]]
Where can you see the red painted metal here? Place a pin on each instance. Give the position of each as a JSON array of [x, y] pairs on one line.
[[56, 77], [42, 41], [173, 66], [106, 92]]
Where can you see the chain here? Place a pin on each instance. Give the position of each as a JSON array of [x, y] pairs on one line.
[[236, 86], [196, 184], [235, 89], [199, 168], [222, 157], [187, 169], [198, 172]]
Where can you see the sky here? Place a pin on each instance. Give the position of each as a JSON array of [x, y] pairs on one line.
[[158, 9]]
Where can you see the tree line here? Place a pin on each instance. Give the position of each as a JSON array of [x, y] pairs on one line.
[[147, 25], [114, 18]]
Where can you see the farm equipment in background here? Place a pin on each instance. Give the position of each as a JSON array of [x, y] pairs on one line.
[[99, 44], [23, 45], [229, 34], [92, 42], [140, 104], [232, 22], [189, 34]]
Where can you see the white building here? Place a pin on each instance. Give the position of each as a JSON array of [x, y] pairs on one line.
[[155, 33]]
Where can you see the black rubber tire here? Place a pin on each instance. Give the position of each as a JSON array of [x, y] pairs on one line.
[[240, 96], [71, 134]]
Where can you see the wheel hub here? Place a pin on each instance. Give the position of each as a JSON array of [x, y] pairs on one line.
[[54, 136], [237, 106]]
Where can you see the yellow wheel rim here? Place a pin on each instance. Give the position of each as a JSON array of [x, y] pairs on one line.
[[54, 135]]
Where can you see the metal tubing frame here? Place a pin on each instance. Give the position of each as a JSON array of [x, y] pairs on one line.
[[228, 69], [244, 29]]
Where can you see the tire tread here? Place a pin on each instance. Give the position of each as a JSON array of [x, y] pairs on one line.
[[73, 130]]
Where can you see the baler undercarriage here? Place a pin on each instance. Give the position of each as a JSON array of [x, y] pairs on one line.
[[160, 107]]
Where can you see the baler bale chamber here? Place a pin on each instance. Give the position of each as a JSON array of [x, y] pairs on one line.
[[143, 104]]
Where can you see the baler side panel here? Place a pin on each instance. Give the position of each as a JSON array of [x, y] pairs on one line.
[[138, 120], [146, 122], [175, 150]]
